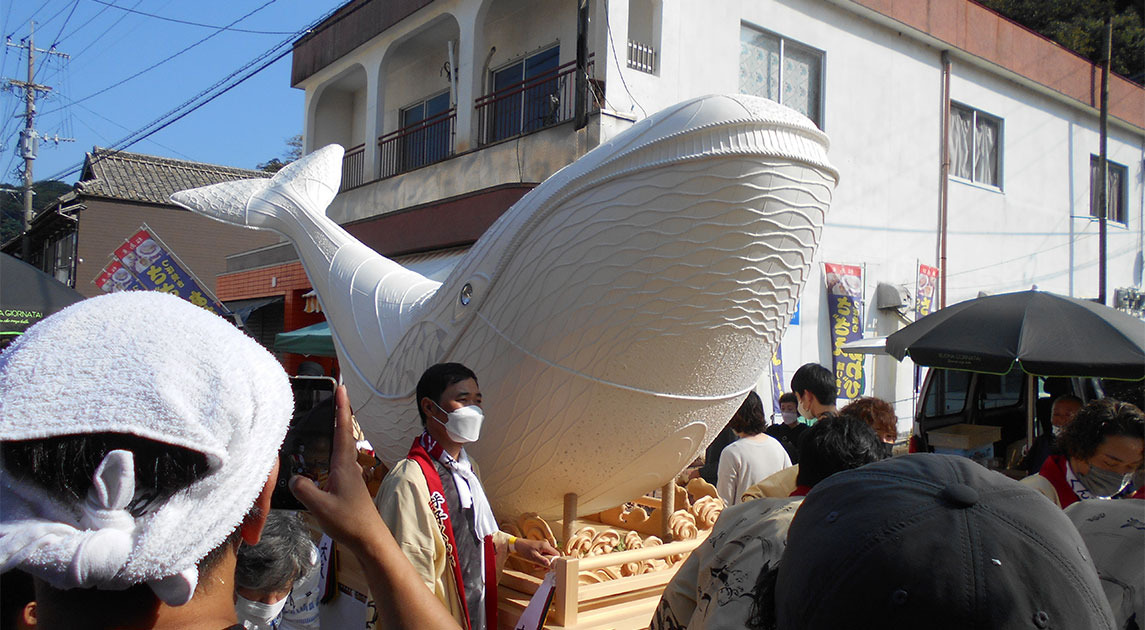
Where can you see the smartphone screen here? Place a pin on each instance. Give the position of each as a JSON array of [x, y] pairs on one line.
[[309, 440]]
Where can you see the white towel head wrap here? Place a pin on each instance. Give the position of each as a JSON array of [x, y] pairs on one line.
[[153, 366]]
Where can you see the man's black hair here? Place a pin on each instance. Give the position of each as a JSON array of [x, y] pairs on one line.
[[749, 419], [837, 442], [789, 397], [818, 380], [1097, 421], [63, 467], [437, 379]]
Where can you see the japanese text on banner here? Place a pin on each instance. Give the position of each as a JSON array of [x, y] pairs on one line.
[[844, 307], [927, 282], [155, 269]]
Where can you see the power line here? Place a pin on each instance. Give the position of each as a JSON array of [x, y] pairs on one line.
[[167, 19], [65, 24], [169, 58], [202, 98]]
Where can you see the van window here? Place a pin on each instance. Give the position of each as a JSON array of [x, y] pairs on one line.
[[947, 393], [1000, 391]]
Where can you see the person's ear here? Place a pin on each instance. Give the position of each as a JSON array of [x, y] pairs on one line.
[[427, 407], [251, 528], [28, 615]]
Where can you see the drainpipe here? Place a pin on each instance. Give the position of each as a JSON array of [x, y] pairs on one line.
[[944, 179], [485, 70], [452, 75], [580, 101]]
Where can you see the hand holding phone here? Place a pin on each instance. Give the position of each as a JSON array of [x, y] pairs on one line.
[[309, 440]]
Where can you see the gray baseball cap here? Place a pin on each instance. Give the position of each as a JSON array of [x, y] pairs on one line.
[[935, 541]]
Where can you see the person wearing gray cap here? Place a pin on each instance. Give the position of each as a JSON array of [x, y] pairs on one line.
[[937, 542]]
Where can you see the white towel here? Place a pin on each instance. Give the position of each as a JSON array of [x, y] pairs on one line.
[[154, 366]]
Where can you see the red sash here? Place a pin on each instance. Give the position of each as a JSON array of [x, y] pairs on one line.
[[425, 451]]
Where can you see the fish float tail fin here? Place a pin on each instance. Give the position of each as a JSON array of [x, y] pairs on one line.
[[292, 203]]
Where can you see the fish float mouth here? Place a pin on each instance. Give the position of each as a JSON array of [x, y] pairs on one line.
[[615, 316]]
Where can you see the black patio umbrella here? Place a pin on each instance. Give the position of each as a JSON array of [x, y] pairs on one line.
[[28, 295], [1044, 333]]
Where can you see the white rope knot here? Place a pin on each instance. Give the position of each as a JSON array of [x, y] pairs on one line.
[[110, 534]]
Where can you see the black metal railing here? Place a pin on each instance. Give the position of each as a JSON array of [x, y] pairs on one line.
[[353, 167], [531, 105], [417, 145]]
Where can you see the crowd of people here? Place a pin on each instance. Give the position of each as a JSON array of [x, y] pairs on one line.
[[139, 439]]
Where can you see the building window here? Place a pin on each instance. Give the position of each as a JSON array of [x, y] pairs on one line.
[[528, 95], [644, 35], [782, 70], [59, 255], [1115, 189], [428, 132], [975, 146]]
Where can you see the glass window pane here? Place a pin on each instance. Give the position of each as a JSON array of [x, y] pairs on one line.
[[961, 136], [759, 64], [505, 114], [986, 151], [1000, 391], [542, 97], [801, 81], [1116, 193], [947, 394], [1094, 178]]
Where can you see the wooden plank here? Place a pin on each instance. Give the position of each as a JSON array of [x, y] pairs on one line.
[[566, 592], [667, 506], [645, 553], [518, 581], [569, 517], [589, 592]]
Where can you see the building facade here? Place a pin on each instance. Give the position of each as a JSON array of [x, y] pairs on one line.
[[966, 142]]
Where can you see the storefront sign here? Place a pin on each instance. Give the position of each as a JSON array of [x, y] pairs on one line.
[[844, 307]]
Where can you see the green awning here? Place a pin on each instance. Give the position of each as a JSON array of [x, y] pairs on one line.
[[312, 341]]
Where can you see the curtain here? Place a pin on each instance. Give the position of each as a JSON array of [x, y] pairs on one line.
[[759, 64], [961, 136], [986, 151]]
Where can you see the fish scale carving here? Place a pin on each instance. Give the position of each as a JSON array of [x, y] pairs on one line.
[[619, 312]]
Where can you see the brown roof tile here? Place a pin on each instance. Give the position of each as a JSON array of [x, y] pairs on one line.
[[143, 178]]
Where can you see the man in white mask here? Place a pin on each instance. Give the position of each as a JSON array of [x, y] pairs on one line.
[[434, 503]]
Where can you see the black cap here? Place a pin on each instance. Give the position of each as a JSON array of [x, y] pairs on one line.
[[937, 542]]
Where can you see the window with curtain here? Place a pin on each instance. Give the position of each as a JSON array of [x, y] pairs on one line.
[[782, 70], [975, 146], [1115, 189]]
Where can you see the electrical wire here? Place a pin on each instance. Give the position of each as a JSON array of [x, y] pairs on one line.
[[167, 19], [204, 97], [165, 60], [65, 24], [619, 70]]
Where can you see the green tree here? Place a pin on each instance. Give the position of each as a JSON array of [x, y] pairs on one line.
[[1079, 26], [44, 194], [293, 152]]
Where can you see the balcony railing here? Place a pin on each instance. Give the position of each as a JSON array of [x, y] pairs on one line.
[[353, 167], [641, 57], [531, 105], [417, 145]]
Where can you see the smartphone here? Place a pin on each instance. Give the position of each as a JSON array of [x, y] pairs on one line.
[[309, 441]]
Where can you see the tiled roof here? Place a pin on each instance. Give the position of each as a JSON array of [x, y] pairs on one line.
[[147, 178]]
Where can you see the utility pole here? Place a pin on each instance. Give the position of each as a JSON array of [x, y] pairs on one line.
[[29, 139]]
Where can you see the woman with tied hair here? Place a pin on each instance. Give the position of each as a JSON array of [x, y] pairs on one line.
[[753, 457], [277, 581], [1101, 450]]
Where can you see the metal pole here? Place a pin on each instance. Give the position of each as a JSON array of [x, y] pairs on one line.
[[27, 144], [944, 179], [1103, 163], [581, 99]]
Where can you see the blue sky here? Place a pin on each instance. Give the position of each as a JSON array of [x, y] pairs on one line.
[[111, 40]]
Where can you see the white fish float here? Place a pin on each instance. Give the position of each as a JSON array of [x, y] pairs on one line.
[[615, 316]]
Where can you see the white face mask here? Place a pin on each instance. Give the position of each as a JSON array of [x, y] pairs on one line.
[[789, 417], [463, 425], [257, 615], [1056, 430]]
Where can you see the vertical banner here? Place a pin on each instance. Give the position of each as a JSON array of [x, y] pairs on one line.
[[844, 304], [925, 290], [157, 269], [776, 377]]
